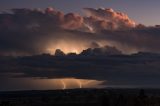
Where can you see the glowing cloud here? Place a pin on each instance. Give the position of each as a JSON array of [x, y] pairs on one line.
[[108, 19], [69, 83], [50, 29]]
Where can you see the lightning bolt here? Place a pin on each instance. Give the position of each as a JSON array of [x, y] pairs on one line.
[[79, 83], [63, 84]]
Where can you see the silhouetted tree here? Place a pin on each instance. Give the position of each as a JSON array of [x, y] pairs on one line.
[[120, 101], [141, 100], [5, 103], [105, 100]]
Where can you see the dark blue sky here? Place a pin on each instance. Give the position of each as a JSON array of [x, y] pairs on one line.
[[142, 11]]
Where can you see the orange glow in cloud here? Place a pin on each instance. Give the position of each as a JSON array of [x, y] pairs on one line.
[[67, 47], [69, 83], [59, 83]]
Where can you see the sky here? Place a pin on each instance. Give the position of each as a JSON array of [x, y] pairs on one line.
[[84, 33], [142, 11]]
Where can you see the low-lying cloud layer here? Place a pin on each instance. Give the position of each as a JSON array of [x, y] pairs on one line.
[[122, 70], [35, 31]]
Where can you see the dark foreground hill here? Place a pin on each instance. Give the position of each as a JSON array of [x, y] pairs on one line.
[[82, 97]]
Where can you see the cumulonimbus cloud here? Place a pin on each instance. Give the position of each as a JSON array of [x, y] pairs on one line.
[[35, 31], [108, 19]]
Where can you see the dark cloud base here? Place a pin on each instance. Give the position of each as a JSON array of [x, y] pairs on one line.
[[137, 69]]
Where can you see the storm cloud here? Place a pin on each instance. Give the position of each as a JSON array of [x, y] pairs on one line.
[[36, 31], [140, 69], [102, 18]]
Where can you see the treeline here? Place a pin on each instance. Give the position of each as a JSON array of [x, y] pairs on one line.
[[85, 98]]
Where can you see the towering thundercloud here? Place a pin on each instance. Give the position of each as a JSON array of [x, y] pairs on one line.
[[35, 31]]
